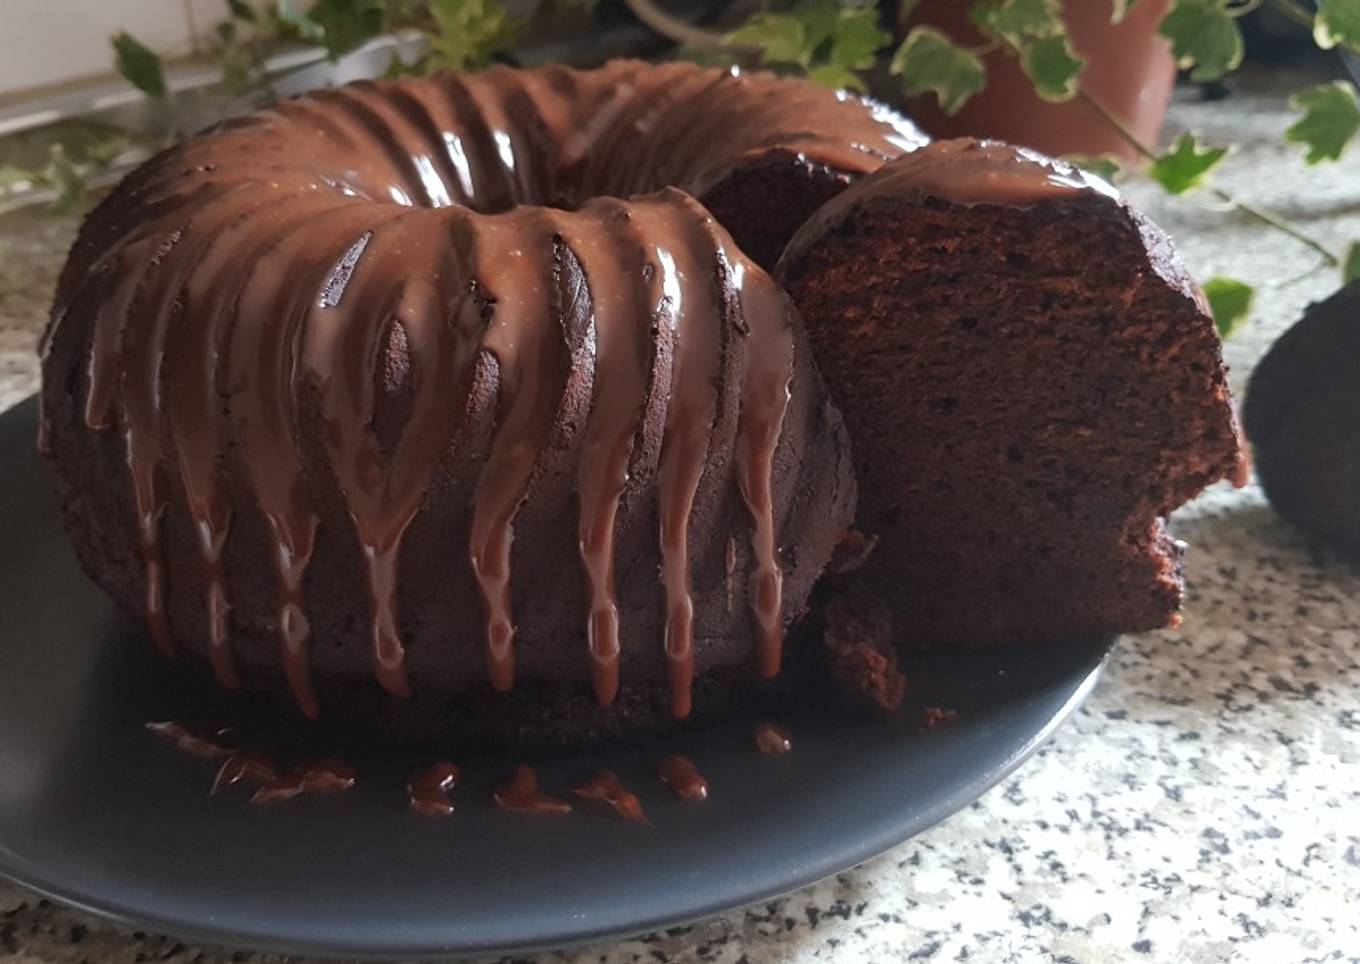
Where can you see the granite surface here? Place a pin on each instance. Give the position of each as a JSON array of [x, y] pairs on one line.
[[1203, 806]]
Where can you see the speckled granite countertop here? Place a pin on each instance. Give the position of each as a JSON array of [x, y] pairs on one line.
[[1203, 806]]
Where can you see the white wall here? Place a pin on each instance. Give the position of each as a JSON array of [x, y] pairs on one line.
[[49, 41]]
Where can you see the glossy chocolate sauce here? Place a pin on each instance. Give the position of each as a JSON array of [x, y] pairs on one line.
[[244, 767], [427, 792], [520, 794], [320, 776], [276, 251], [967, 172], [683, 777], [772, 739], [604, 786], [210, 742]]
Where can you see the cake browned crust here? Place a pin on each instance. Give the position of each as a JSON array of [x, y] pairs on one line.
[[1032, 384], [416, 382]]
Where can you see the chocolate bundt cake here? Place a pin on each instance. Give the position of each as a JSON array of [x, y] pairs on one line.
[[391, 380], [1032, 383]]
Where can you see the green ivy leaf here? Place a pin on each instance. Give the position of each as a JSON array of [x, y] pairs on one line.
[[140, 66], [1105, 166], [1350, 265], [241, 10], [11, 175], [1337, 22], [65, 178], [819, 21], [1121, 10], [856, 39], [102, 153], [1053, 66], [1204, 36], [781, 38], [836, 76], [469, 32], [1019, 21], [929, 62], [238, 70], [396, 67], [825, 38], [1186, 164], [1230, 303], [345, 24], [300, 24], [1331, 119]]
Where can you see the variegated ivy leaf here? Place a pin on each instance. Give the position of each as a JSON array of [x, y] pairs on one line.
[[1337, 22], [856, 38], [929, 62], [781, 38], [468, 32], [1330, 121], [1186, 164], [1019, 21], [829, 40], [1053, 67], [1204, 37], [1230, 303]]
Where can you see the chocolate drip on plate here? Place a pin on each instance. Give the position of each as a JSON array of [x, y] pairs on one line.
[[772, 739], [428, 791], [321, 776], [520, 794], [605, 787], [244, 767], [683, 777], [208, 742]]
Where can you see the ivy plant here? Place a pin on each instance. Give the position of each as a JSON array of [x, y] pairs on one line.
[[1205, 38], [841, 43]]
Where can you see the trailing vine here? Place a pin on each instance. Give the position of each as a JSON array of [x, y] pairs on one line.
[[840, 44]]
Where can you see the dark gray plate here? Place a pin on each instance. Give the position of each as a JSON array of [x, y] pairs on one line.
[[96, 812]]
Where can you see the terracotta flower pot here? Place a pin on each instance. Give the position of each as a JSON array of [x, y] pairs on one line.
[[1129, 69]]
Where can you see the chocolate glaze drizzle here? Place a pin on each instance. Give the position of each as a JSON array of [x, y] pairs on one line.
[[320, 776], [208, 742], [605, 787], [244, 767], [680, 774], [968, 171], [773, 739], [240, 279], [427, 791], [964, 171], [520, 794]]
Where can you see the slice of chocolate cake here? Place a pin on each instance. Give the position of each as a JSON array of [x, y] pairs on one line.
[[1031, 382]]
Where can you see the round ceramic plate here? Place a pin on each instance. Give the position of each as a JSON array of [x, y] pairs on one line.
[[99, 813]]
